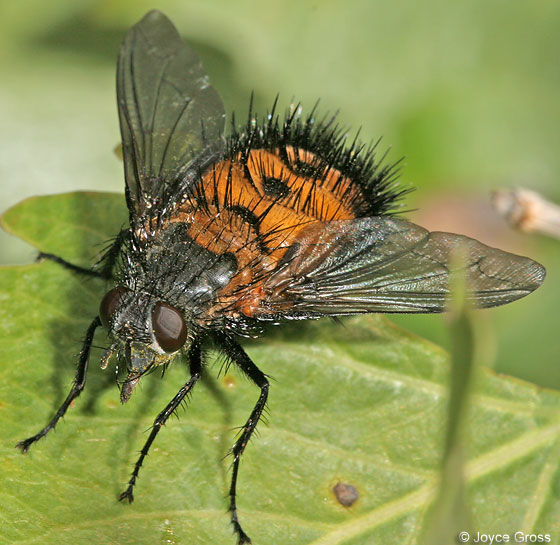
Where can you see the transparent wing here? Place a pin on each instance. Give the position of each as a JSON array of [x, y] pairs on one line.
[[170, 117], [383, 264]]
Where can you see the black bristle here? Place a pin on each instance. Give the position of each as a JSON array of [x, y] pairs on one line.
[[326, 140]]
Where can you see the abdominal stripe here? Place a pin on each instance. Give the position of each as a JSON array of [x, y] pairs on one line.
[[250, 217], [275, 188]]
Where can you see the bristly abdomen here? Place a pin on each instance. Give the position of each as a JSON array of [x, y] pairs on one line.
[[318, 149]]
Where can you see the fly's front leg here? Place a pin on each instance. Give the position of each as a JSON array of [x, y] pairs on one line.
[[69, 266], [236, 353], [102, 269], [195, 362], [77, 387]]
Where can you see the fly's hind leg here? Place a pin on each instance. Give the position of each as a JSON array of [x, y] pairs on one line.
[[236, 353]]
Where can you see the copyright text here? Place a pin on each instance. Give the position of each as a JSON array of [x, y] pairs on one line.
[[490, 539]]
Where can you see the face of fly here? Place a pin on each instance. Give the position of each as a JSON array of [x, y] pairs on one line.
[[145, 332]]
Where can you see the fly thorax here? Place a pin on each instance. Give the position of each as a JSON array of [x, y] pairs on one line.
[[186, 270]]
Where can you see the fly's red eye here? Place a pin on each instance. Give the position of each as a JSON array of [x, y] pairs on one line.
[[110, 303], [169, 327]]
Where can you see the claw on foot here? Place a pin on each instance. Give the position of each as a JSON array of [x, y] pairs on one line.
[[127, 495], [242, 537], [25, 444]]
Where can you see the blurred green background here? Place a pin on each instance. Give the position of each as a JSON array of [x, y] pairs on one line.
[[468, 92]]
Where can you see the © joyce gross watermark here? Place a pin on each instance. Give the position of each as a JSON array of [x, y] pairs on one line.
[[490, 539]]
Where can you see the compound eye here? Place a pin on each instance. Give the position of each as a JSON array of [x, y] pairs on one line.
[[110, 303], [169, 327]]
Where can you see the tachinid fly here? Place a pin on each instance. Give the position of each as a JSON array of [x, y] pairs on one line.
[[278, 221]]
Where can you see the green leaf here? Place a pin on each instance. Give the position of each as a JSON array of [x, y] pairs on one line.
[[450, 514], [364, 404], [75, 225]]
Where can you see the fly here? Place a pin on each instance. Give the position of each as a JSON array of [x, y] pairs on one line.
[[279, 221]]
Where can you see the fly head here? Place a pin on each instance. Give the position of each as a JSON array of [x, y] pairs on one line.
[[146, 332]]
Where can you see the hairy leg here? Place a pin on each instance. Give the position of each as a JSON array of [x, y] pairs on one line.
[[77, 387], [195, 362], [238, 356], [102, 269]]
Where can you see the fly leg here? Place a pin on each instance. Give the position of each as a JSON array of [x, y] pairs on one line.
[[70, 266], [77, 387], [236, 353], [102, 269], [195, 363]]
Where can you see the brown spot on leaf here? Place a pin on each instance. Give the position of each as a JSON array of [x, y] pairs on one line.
[[346, 494]]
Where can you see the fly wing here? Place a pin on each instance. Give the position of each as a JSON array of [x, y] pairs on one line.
[[383, 264], [171, 119]]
